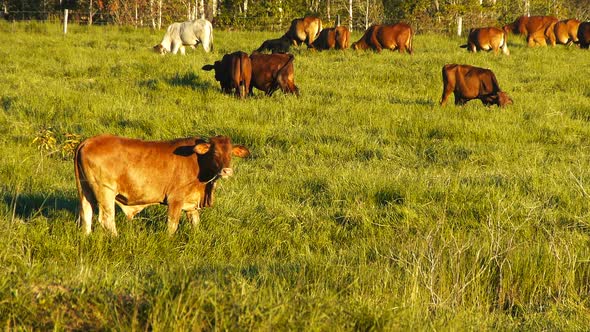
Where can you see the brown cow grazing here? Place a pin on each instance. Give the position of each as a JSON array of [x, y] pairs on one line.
[[584, 35], [333, 38], [487, 39], [468, 82], [273, 71], [135, 174], [234, 71], [537, 29], [397, 36], [566, 31], [304, 30]]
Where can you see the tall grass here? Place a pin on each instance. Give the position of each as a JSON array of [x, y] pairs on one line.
[[364, 206]]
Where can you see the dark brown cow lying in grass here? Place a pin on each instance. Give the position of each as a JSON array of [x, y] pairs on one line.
[[273, 71], [135, 174], [537, 29], [397, 36], [468, 82], [304, 30], [333, 38], [487, 39], [584, 35], [233, 72]]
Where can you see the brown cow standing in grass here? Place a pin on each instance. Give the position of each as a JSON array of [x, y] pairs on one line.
[[396, 36], [487, 39], [584, 35], [468, 82], [537, 29], [333, 38], [234, 71], [135, 174], [273, 71], [566, 31], [304, 30]]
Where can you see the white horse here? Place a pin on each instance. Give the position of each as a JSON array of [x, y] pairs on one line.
[[190, 33]]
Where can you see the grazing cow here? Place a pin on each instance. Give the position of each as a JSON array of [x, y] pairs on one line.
[[468, 82], [487, 39], [584, 35], [273, 71], [135, 174], [566, 31], [537, 29], [279, 45], [397, 36], [304, 30], [234, 71], [190, 33], [331, 38]]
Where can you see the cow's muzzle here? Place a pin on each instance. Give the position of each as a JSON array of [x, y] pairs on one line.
[[226, 172]]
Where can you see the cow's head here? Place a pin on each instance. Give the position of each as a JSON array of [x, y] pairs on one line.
[[160, 49], [215, 157], [218, 70], [503, 99]]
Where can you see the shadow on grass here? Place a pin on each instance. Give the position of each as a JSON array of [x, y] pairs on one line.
[[27, 206], [190, 80], [421, 101]]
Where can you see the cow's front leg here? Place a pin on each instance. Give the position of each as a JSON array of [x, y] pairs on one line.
[[174, 210], [194, 217]]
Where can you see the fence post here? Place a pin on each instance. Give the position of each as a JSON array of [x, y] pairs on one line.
[[459, 25], [65, 21]]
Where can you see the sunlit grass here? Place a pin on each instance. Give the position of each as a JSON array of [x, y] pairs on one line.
[[365, 205]]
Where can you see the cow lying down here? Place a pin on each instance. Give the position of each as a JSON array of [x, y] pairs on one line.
[[135, 174], [468, 82]]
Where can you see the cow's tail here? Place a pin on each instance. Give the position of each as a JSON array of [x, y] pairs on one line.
[[275, 79], [409, 42], [211, 38], [504, 45], [86, 196]]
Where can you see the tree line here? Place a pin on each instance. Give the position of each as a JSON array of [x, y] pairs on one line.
[[441, 16]]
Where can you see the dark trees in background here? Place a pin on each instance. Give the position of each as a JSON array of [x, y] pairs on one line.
[[439, 16]]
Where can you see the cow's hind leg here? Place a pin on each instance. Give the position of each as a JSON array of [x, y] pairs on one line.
[[86, 212], [106, 210]]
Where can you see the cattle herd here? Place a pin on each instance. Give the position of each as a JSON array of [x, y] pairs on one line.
[[182, 173]]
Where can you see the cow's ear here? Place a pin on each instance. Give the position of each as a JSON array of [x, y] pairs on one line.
[[240, 151], [208, 67], [202, 148]]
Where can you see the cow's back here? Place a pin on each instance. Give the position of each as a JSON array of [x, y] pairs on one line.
[[394, 36]]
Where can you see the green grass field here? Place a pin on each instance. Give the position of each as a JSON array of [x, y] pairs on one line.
[[364, 205]]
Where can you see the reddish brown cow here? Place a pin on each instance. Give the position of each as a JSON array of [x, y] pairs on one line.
[[273, 71], [537, 29], [234, 71], [468, 82], [584, 35], [305, 29], [135, 174], [566, 31], [333, 38], [397, 36], [487, 39]]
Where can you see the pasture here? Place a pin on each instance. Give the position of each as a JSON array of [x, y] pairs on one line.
[[364, 205]]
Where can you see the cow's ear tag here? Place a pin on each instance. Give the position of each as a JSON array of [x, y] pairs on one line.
[[202, 148]]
